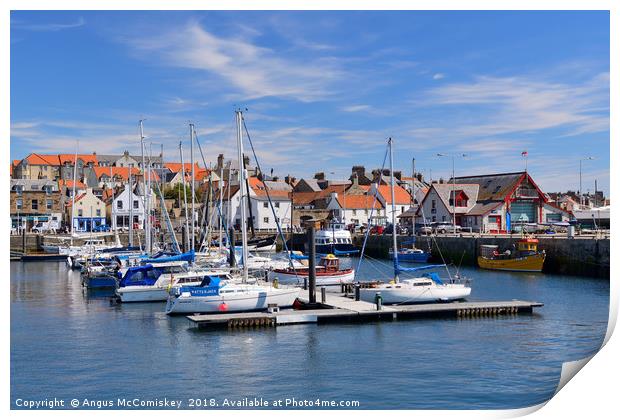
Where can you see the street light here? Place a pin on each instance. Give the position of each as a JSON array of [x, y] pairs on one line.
[[453, 187], [580, 194]]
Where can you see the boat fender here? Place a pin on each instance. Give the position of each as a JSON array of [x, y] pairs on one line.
[[223, 307], [275, 283]]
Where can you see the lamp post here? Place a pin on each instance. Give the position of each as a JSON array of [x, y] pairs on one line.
[[580, 193], [453, 188]]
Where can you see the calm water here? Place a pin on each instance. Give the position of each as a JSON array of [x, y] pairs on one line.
[[67, 344]]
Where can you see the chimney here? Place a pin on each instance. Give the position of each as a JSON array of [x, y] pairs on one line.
[[320, 176], [397, 175], [246, 161], [220, 161]]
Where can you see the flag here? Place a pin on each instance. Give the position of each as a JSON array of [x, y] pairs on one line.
[[524, 153]]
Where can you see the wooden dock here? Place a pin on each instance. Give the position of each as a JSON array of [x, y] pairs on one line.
[[339, 308]]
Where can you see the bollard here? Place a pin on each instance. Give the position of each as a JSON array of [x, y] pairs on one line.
[[357, 292], [305, 283], [379, 301], [323, 296]]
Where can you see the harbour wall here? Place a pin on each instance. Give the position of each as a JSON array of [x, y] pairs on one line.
[[579, 256]]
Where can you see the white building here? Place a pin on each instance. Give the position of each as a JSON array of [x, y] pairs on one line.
[[262, 213], [125, 204], [356, 208]]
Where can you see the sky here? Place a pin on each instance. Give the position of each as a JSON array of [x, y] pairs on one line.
[[323, 90]]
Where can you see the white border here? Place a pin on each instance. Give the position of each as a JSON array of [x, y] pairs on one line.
[[593, 394]]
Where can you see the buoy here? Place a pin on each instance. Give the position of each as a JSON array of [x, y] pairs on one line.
[[223, 307]]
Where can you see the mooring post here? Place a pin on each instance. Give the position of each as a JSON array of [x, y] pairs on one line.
[[311, 265], [232, 261], [184, 240], [379, 301], [323, 296], [24, 240], [357, 291], [305, 283]]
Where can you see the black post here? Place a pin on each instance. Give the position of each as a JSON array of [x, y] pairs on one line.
[[311, 266], [323, 295], [184, 236], [357, 292], [231, 245]]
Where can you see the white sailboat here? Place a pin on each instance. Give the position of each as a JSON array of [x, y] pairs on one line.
[[427, 288], [228, 295]]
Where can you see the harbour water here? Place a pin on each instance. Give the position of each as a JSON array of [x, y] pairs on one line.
[[69, 344]]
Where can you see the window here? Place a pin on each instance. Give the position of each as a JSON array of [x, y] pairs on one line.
[[48, 204], [433, 204], [265, 204], [265, 220], [98, 212], [119, 204], [35, 205], [43, 168], [135, 219], [19, 189], [119, 221], [47, 189], [135, 204], [19, 203], [354, 212], [434, 219], [443, 218], [277, 204], [80, 213]]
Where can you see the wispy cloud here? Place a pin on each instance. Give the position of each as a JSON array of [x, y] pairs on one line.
[[356, 108], [46, 27], [492, 106], [438, 76], [255, 71]]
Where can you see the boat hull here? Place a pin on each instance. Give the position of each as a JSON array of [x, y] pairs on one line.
[[337, 249], [391, 295], [242, 302], [530, 263], [143, 294], [421, 257], [100, 282]]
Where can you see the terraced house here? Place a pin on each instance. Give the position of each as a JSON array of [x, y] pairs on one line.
[[34, 201]]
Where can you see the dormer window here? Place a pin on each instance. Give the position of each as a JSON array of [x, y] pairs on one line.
[[461, 198], [19, 189]]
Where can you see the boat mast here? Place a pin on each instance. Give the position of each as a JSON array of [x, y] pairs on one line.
[[221, 185], [77, 145], [184, 194], [192, 132], [242, 186], [394, 244], [130, 185], [149, 237], [144, 198]]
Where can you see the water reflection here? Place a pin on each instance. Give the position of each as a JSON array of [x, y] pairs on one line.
[[70, 343]]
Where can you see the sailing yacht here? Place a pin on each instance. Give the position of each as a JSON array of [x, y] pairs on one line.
[[426, 288], [231, 295]]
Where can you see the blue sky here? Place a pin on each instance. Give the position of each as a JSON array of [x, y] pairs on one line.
[[323, 89]]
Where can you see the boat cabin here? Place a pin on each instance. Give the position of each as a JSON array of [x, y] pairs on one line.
[[330, 262], [527, 245]]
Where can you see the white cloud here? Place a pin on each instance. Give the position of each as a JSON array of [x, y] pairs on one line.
[[438, 76], [255, 71], [46, 27], [356, 108]]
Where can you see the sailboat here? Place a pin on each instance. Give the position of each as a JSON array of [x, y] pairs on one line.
[[426, 288], [229, 295]]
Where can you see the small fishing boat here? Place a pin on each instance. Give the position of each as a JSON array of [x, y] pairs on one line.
[[328, 273], [526, 257]]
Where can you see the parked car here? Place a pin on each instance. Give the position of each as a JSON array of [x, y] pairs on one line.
[[49, 226], [445, 227], [400, 230], [425, 230]]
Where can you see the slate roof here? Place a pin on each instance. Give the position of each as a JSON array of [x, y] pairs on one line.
[[492, 187], [444, 191]]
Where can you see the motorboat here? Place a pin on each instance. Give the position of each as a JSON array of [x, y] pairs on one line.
[[328, 273], [334, 239], [526, 257]]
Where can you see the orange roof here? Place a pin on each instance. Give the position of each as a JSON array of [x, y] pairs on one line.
[[176, 167], [69, 183], [70, 157], [16, 162], [117, 171], [259, 188], [77, 198], [202, 174], [400, 194], [37, 159], [303, 198], [359, 202]]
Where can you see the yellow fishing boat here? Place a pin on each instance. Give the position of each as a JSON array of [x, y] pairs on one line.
[[526, 257]]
